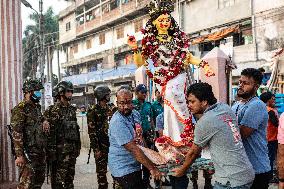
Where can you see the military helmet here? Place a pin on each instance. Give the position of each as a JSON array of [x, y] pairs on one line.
[[64, 86], [55, 92], [32, 85], [100, 92]]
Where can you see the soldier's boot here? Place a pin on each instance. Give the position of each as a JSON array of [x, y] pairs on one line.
[[102, 178]]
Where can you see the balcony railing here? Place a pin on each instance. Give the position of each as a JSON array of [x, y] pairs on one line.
[[112, 16]]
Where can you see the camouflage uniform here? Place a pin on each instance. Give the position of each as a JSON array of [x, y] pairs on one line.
[[98, 123], [29, 140], [67, 143], [51, 141]]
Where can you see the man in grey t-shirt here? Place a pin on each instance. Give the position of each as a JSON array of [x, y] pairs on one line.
[[217, 129]]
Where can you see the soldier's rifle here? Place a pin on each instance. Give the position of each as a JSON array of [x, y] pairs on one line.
[[89, 155], [10, 133]]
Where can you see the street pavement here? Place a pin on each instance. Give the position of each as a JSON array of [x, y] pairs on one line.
[[86, 177]]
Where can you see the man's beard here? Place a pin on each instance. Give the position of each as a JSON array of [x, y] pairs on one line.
[[246, 95], [67, 98]]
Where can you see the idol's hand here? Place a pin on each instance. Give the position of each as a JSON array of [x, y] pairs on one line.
[[207, 69], [131, 41]]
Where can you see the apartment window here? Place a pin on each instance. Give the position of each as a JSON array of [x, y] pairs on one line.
[[225, 3], [75, 48], [89, 43], [102, 38], [68, 26], [105, 8], [125, 1], [138, 25], [80, 20], [71, 56], [120, 33], [114, 4]]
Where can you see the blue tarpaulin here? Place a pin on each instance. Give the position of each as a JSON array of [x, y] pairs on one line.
[[107, 74]]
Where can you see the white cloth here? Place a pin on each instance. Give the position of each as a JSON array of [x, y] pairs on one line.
[[175, 94]]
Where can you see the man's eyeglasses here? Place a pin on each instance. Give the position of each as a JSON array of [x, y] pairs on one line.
[[123, 103]]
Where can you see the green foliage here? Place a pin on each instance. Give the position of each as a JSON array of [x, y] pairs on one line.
[[31, 42]]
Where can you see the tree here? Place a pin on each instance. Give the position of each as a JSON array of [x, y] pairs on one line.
[[31, 43]]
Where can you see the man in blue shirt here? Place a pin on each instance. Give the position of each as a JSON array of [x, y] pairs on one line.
[[252, 120], [125, 157], [145, 109]]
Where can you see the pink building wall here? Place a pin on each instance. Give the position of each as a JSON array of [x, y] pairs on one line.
[[10, 79]]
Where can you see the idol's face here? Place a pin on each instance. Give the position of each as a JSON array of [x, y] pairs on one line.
[[163, 22]]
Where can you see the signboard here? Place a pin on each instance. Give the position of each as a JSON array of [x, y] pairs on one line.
[[48, 95]]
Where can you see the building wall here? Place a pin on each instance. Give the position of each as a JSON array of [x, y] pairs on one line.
[[111, 40], [263, 5], [65, 36], [269, 27], [10, 79], [199, 15], [269, 32]]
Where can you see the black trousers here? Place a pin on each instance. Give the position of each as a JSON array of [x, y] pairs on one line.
[[261, 181], [179, 182], [130, 181]]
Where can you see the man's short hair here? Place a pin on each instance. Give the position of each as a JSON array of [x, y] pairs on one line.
[[203, 92], [253, 73], [123, 91], [262, 70], [266, 96]]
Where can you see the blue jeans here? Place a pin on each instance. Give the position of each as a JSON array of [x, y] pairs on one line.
[[228, 186], [272, 152]]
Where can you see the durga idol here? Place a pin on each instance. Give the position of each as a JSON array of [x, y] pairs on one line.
[[165, 55]]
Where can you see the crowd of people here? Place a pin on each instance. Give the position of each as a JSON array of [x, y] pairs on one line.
[[243, 140]]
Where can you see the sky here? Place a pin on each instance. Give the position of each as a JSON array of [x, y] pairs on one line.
[[57, 6]]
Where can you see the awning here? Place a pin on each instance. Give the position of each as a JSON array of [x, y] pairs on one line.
[[216, 35], [102, 75]]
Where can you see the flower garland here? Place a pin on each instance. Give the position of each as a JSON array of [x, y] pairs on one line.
[[178, 51]]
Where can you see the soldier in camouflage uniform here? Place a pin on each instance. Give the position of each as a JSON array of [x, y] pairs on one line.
[[28, 131], [62, 116], [51, 140], [98, 123]]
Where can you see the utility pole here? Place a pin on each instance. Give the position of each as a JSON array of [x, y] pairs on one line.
[[58, 63], [41, 57]]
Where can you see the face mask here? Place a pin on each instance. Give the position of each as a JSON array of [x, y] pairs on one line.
[[36, 96]]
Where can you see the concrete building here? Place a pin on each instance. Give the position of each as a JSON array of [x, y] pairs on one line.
[[247, 30], [93, 35]]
